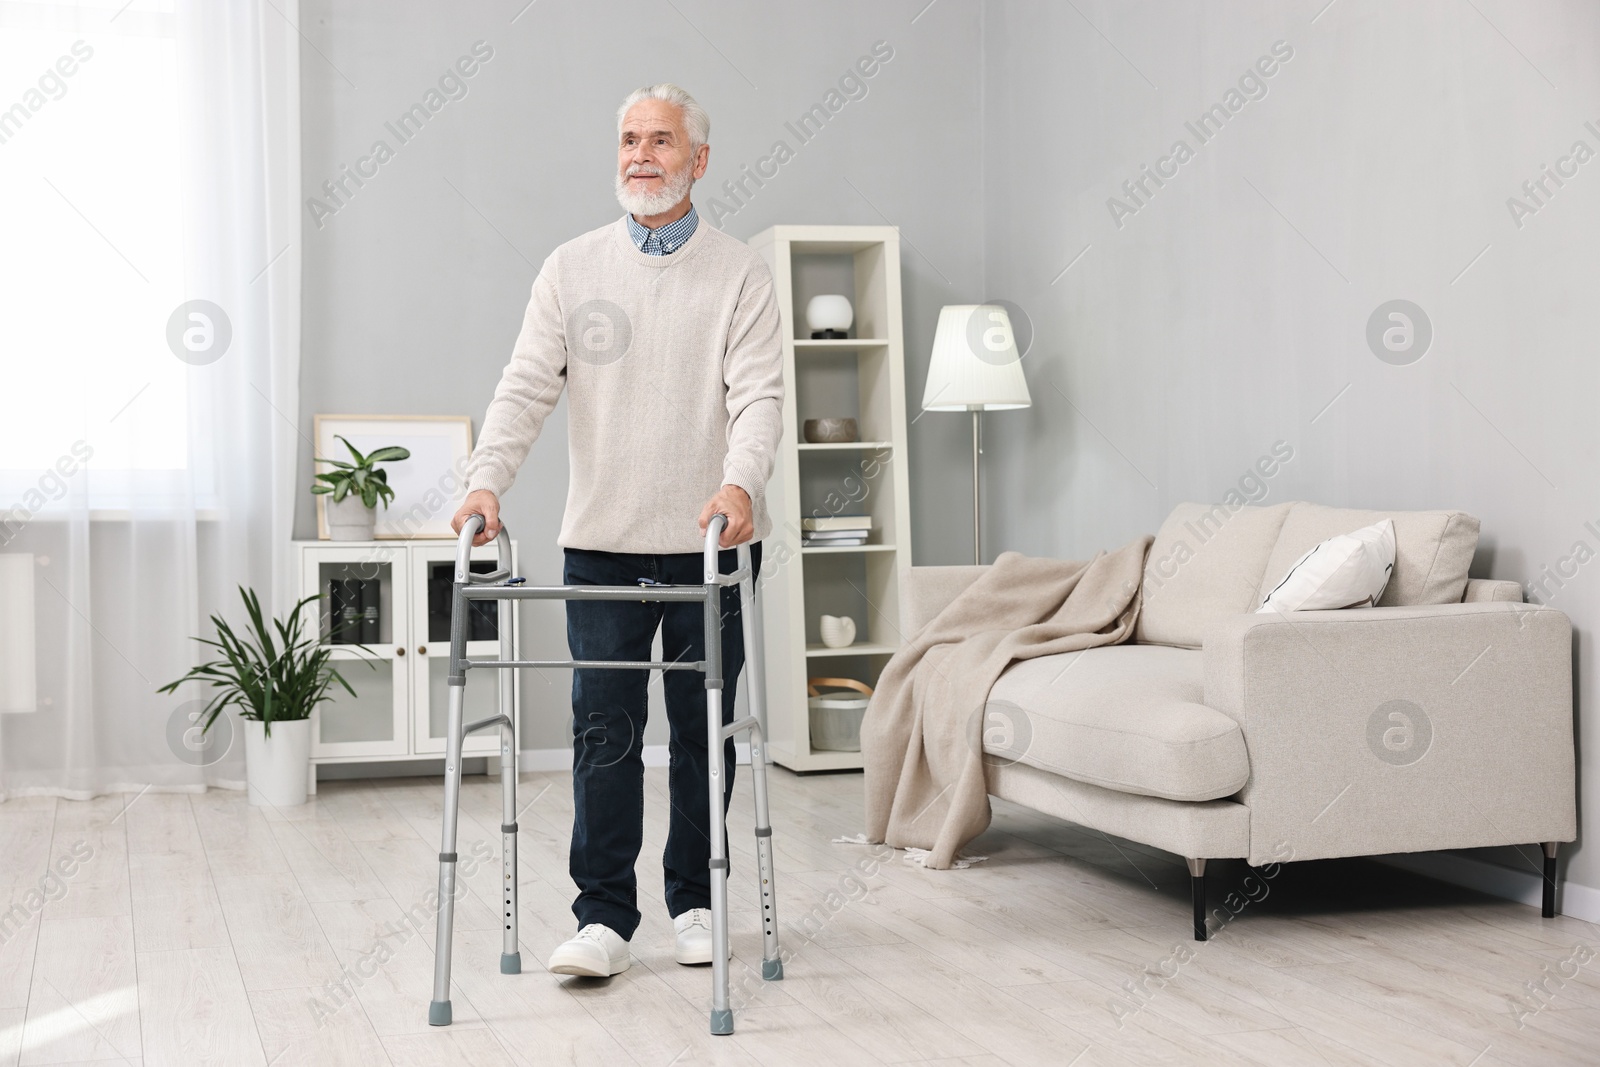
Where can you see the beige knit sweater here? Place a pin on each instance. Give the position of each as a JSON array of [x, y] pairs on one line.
[[673, 367]]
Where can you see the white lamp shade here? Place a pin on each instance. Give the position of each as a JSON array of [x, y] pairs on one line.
[[975, 364]]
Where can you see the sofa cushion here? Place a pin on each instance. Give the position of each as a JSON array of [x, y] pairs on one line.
[[1432, 550], [1125, 717], [1346, 571], [1206, 564]]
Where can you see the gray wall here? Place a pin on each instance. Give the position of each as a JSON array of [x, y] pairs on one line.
[[1229, 312], [1225, 314], [414, 290]]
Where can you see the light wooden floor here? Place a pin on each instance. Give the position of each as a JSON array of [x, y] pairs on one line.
[[195, 929]]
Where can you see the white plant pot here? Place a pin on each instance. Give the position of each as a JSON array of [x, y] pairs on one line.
[[350, 519], [277, 767]]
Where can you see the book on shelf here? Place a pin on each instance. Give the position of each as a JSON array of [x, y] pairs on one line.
[[369, 610], [483, 616], [440, 580], [833, 542], [353, 611], [341, 613], [829, 523], [832, 535]]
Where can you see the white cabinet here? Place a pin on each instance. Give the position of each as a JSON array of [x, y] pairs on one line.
[[398, 711]]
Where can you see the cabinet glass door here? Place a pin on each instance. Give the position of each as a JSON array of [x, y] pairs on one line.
[[432, 573], [362, 614]]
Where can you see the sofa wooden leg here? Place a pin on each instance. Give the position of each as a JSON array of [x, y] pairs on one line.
[[1549, 908], [1197, 890]]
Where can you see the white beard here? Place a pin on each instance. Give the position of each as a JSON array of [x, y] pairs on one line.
[[674, 188]]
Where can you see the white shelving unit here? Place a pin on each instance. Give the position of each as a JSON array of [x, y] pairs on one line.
[[862, 377], [399, 709]]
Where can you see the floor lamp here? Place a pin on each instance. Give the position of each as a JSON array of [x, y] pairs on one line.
[[975, 367]]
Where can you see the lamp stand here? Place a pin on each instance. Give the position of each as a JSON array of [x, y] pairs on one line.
[[977, 450]]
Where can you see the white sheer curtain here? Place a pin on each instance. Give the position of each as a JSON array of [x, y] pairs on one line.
[[149, 159]]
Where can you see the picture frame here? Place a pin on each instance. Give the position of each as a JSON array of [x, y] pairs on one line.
[[428, 487]]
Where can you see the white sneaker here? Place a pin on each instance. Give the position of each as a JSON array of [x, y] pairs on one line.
[[694, 937], [597, 952]]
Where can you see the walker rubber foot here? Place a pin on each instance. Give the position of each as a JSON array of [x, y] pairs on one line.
[[511, 964], [722, 1021], [439, 1013], [772, 970]]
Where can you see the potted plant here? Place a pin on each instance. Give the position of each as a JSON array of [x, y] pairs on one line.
[[356, 489], [275, 676]]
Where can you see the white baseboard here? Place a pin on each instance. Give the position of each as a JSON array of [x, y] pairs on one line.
[[1525, 887], [560, 759]]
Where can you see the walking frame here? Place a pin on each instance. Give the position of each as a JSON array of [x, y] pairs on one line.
[[502, 587]]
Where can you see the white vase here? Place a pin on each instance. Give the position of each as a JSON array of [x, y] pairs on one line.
[[838, 631], [350, 519], [831, 311], [277, 768]]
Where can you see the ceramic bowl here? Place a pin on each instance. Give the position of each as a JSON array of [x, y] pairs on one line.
[[829, 431]]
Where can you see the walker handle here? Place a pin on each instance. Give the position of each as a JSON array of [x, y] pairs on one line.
[[714, 529], [469, 530]]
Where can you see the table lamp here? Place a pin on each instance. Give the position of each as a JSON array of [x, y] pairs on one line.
[[975, 367]]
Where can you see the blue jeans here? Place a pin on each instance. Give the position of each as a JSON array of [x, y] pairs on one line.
[[608, 719]]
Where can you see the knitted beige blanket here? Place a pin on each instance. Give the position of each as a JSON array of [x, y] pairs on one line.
[[921, 739]]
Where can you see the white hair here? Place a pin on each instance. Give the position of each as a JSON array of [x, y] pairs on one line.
[[695, 120]]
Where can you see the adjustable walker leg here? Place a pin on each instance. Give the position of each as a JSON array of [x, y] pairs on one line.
[[721, 1012], [439, 1009], [756, 692], [510, 953]]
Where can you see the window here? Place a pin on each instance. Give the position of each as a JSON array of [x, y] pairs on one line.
[[93, 175]]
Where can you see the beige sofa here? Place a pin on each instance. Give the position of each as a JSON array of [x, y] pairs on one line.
[[1440, 719]]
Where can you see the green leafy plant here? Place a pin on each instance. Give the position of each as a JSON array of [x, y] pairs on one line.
[[274, 673], [363, 477]]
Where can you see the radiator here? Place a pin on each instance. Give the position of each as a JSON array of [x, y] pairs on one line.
[[18, 680]]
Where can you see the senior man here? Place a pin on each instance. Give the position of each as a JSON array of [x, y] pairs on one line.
[[664, 332]]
